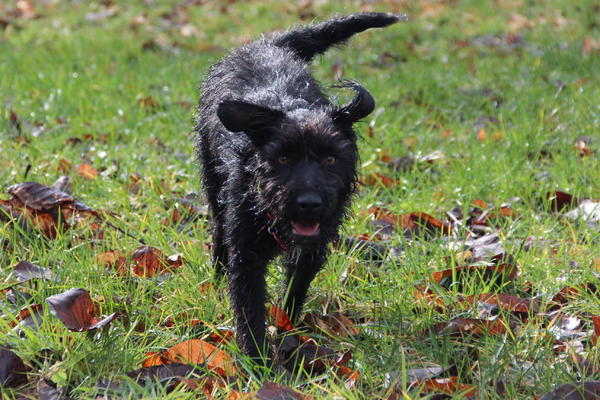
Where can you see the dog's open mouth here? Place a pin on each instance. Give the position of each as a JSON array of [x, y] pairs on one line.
[[306, 228]]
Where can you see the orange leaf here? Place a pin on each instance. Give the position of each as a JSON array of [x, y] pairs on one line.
[[280, 319], [197, 351], [377, 179], [447, 385], [113, 259], [86, 171], [349, 376]]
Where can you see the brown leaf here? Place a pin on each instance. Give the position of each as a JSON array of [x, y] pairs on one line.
[[459, 327], [64, 165], [221, 336], [349, 376], [12, 369], [447, 385], [25, 271], [42, 207], [315, 358], [427, 299], [379, 179], [75, 309], [274, 391], [581, 391], [196, 351], [40, 197], [596, 335], [28, 317], [149, 261], [560, 200], [148, 102], [414, 221], [85, 170], [335, 324], [516, 305], [47, 390], [113, 259]]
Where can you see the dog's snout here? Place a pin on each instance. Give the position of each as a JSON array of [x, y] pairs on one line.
[[309, 202]]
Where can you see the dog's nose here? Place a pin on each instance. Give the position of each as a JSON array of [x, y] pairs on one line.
[[309, 202]]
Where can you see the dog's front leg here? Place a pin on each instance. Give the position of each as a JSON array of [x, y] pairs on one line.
[[301, 269], [248, 258]]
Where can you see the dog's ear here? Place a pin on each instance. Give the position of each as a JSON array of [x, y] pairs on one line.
[[239, 116], [359, 107]]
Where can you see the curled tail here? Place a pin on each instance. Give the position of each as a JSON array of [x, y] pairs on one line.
[[309, 41]]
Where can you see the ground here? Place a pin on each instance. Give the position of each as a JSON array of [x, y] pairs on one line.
[[485, 110]]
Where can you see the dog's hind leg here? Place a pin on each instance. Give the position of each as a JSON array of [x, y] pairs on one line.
[[301, 269]]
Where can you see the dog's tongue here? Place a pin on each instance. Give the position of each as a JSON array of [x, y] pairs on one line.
[[306, 228]]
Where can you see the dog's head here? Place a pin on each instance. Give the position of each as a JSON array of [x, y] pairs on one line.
[[305, 168]]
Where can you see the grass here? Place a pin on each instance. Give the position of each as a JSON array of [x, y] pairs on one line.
[[126, 87]]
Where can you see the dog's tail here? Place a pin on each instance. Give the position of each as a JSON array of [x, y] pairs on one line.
[[309, 41]]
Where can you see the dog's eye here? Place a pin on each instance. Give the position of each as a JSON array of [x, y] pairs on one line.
[[330, 160], [283, 160]]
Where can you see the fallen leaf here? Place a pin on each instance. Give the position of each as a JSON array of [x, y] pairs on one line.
[[47, 390], [596, 335], [85, 170], [523, 307], [414, 221], [459, 327], [379, 179], [25, 271], [43, 207], [12, 369], [560, 200], [427, 299], [149, 261], [29, 317], [280, 319], [581, 391], [274, 391], [449, 385], [336, 324], [196, 351], [74, 308], [148, 102], [348, 376], [115, 260]]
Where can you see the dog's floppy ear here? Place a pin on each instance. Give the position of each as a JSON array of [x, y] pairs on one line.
[[240, 116], [359, 107]]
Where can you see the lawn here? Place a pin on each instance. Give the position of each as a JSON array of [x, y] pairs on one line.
[[468, 269]]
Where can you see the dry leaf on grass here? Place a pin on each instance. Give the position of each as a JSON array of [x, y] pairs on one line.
[[43, 207], [75, 309], [12, 369], [195, 351]]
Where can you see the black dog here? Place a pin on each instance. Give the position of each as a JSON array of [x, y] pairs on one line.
[[279, 164]]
